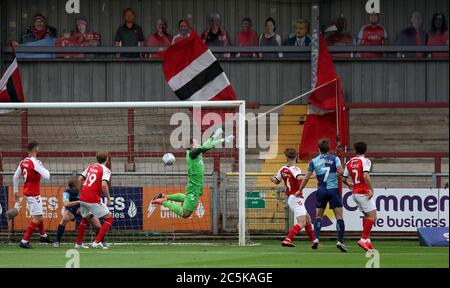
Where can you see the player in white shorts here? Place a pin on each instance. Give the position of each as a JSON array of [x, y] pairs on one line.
[[31, 169], [291, 176], [95, 182], [362, 192]]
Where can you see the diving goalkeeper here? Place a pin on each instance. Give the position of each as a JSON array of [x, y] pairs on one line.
[[196, 173]]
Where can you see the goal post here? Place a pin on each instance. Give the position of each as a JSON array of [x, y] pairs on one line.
[[136, 134]]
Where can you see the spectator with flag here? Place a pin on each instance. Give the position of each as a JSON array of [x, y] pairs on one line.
[[79, 37], [40, 34], [39, 30]]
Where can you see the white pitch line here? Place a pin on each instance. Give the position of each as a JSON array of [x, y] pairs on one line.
[[86, 252], [224, 245], [103, 266]]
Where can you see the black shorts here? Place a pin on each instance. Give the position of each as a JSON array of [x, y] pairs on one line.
[[325, 196]]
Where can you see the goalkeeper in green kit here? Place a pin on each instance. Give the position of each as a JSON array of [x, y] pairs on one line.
[[196, 173]]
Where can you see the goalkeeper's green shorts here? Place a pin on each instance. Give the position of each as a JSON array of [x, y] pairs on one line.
[[193, 193]]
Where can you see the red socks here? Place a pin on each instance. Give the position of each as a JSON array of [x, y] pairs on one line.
[[81, 229], [30, 230], [310, 231], [41, 228], [367, 228], [297, 228], [294, 231], [104, 229]]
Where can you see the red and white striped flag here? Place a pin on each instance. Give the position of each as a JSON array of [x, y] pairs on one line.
[[11, 85], [193, 73]]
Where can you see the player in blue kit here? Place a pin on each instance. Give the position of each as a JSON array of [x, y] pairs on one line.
[[71, 210], [327, 168]]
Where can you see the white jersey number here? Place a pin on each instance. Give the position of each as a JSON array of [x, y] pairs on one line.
[[25, 174], [91, 179], [356, 176], [327, 173], [288, 184]]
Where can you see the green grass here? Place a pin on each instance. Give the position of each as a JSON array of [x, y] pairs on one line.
[[268, 254]]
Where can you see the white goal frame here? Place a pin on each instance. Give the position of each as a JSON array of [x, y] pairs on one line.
[[165, 104]]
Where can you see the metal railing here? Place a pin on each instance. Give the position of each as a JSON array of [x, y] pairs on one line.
[[130, 174], [232, 49], [433, 175]]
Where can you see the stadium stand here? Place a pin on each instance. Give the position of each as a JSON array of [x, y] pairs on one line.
[[409, 130]]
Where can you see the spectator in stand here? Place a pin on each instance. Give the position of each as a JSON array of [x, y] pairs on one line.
[[340, 36], [183, 31], [438, 35], [247, 37], [215, 35], [299, 39], [79, 37], [129, 34], [270, 38], [413, 35], [39, 30], [160, 38], [39, 34], [372, 34]]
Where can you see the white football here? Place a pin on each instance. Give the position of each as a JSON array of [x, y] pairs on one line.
[[168, 159]]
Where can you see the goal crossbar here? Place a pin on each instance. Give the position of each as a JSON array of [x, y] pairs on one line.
[[115, 105]]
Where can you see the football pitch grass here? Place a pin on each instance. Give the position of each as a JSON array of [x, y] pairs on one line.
[[265, 254]]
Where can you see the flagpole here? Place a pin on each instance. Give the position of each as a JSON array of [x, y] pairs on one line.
[[13, 48], [292, 100], [338, 144]]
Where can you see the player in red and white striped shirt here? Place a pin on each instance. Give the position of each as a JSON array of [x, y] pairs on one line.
[[292, 178], [95, 182], [32, 169], [358, 168]]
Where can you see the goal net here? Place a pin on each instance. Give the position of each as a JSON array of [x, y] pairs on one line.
[[136, 135]]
